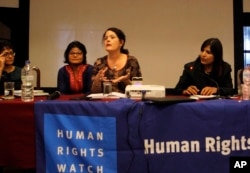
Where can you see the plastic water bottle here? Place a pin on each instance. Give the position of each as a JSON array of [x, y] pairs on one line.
[[246, 83], [27, 76]]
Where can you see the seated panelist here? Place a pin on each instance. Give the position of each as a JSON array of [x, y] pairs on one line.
[[8, 71], [75, 77], [209, 74], [117, 66]]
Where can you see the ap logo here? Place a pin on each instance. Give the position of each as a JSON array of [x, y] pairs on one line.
[[239, 164]]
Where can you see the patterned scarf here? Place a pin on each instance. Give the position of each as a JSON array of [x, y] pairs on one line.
[[76, 83]]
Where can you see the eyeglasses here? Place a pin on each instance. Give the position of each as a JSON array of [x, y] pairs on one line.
[[7, 54], [75, 53]]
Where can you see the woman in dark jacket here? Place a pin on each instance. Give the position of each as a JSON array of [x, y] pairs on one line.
[[208, 74]]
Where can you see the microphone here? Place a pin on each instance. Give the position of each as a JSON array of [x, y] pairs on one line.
[[54, 95]]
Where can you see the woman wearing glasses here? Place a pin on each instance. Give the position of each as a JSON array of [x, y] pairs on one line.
[[8, 72], [75, 77]]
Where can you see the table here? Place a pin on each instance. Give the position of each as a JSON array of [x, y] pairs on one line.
[[17, 132], [17, 145], [131, 126], [141, 137]]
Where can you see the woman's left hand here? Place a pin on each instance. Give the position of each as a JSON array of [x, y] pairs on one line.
[[121, 78], [209, 91]]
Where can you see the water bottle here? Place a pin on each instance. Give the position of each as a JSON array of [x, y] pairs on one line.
[[246, 83], [27, 76]]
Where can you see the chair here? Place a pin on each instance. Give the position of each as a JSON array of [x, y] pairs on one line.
[[38, 77], [38, 82]]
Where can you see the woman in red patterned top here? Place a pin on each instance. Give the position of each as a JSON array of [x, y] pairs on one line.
[[75, 77]]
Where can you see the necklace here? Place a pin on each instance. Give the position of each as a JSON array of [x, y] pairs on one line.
[[208, 71], [113, 65], [116, 62]]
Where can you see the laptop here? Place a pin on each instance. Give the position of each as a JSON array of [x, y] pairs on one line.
[[168, 100]]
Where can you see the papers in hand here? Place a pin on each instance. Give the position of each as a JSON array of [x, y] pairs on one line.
[[199, 97], [114, 95]]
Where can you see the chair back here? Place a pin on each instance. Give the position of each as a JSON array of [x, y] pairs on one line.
[[38, 77], [239, 80]]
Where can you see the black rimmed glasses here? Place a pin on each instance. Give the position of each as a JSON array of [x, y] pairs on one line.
[[7, 54], [75, 53]]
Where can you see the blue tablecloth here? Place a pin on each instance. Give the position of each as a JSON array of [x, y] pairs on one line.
[[137, 137]]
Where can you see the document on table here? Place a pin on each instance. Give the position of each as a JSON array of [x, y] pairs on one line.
[[198, 97], [36, 93], [111, 95]]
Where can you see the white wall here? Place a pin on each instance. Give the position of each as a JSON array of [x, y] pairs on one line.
[[162, 34]]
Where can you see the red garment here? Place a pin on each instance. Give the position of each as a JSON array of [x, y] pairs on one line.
[[76, 83]]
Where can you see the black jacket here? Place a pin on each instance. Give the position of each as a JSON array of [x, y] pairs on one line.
[[193, 74]]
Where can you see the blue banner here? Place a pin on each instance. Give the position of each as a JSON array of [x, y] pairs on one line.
[[75, 136], [196, 137], [126, 136]]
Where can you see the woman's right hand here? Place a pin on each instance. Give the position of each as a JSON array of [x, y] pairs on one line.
[[2, 62], [191, 90], [101, 74], [97, 80]]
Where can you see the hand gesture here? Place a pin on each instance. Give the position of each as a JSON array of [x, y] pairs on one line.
[[121, 78], [101, 74]]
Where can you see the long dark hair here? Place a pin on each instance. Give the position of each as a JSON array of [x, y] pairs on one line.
[[217, 50], [120, 34], [80, 46]]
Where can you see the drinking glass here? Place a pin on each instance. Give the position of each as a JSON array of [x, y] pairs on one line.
[[9, 90]]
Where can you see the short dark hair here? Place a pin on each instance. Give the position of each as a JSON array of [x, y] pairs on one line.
[[120, 34], [5, 44], [80, 46]]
